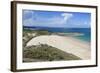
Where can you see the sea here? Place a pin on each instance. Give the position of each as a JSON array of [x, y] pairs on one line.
[[85, 31]]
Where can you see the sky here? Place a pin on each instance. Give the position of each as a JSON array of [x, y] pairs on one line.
[[56, 19]]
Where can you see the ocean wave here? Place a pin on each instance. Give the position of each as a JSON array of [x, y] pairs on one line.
[[71, 34]]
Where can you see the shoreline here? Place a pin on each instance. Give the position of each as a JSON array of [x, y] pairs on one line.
[[65, 43]]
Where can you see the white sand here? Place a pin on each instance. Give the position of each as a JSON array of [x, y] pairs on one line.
[[67, 44]]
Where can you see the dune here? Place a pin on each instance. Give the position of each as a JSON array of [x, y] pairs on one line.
[[67, 44]]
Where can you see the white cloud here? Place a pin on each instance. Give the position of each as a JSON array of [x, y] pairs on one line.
[[28, 22], [44, 22], [85, 23], [51, 22], [28, 12], [66, 16]]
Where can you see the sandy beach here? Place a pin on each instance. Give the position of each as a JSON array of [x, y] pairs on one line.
[[67, 44]]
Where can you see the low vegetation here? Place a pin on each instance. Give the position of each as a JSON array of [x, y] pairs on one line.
[[44, 52]]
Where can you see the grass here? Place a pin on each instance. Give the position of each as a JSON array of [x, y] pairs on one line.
[[44, 52]]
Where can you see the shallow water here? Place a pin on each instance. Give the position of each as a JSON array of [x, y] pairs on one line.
[[85, 31]]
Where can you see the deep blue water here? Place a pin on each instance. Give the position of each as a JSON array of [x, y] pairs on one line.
[[85, 31]]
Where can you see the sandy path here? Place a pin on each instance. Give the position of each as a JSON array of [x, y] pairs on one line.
[[67, 44]]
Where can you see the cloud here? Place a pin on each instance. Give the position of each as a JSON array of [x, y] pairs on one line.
[[28, 22], [28, 12], [66, 16], [54, 21], [85, 23], [51, 22]]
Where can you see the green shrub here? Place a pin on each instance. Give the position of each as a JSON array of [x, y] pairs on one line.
[[48, 53]]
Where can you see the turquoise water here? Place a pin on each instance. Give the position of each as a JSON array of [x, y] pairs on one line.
[[84, 38], [85, 31]]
